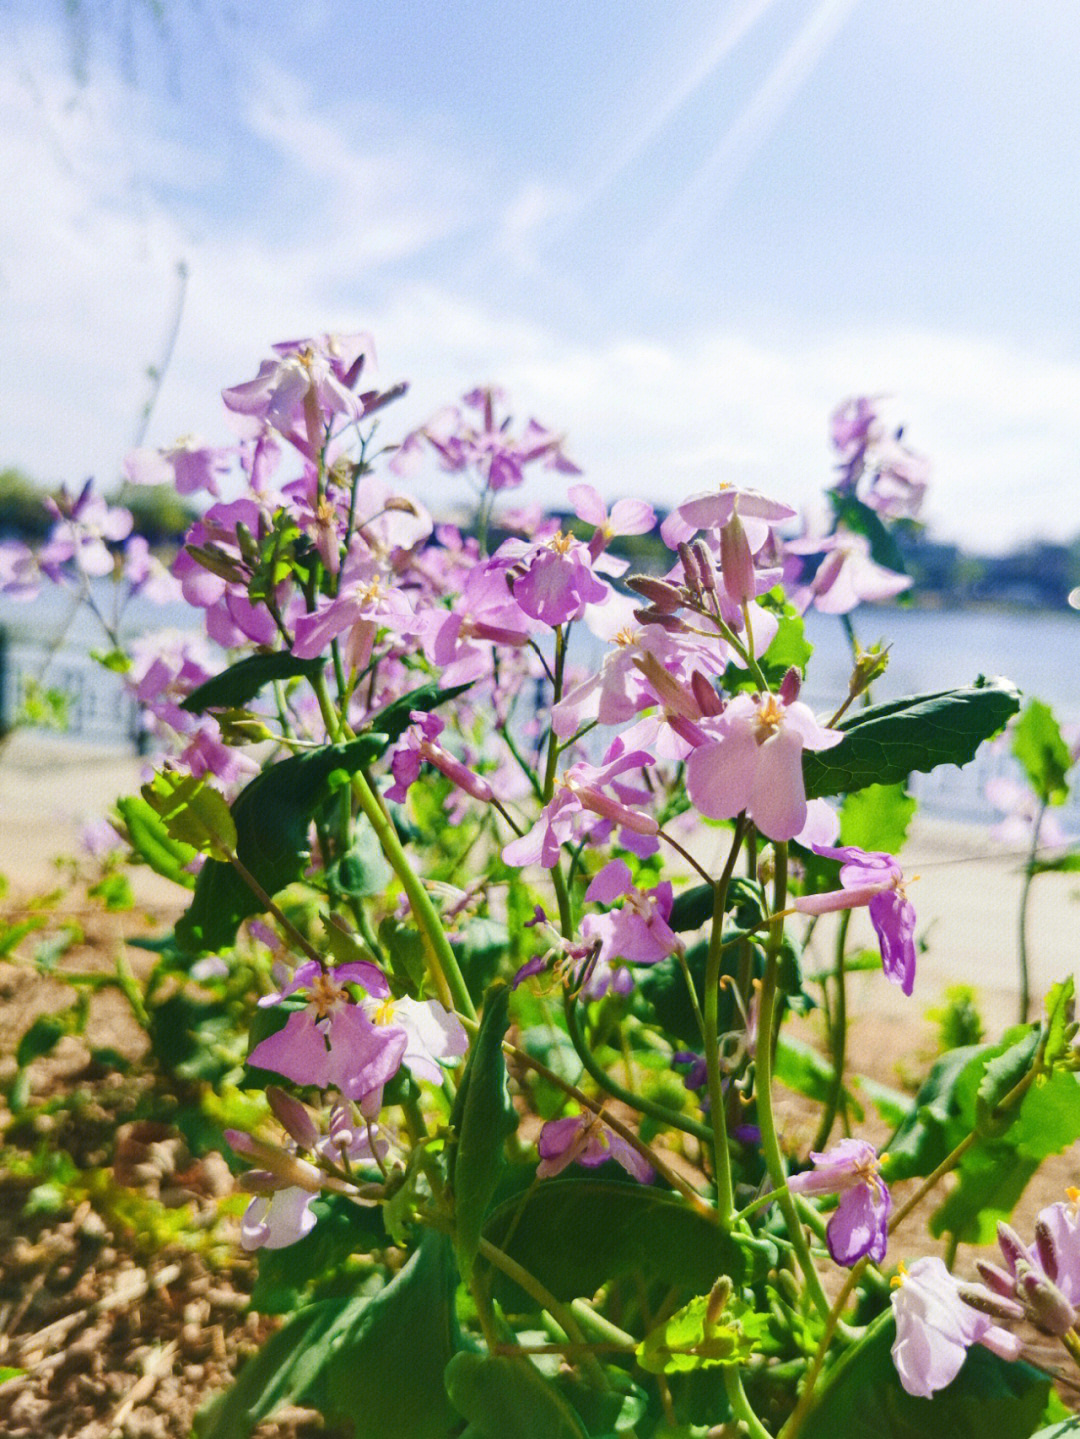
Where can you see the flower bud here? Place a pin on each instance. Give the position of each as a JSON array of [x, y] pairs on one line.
[[294, 1117], [998, 1306], [719, 1295], [214, 559], [672, 623], [661, 593], [704, 563], [790, 686], [1047, 1307], [704, 690], [736, 561]]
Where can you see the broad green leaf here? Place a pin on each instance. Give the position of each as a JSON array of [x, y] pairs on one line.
[[234, 686], [505, 1398], [404, 948], [193, 812], [284, 1370], [396, 718], [363, 870], [577, 1231], [1038, 745], [691, 1340], [877, 817], [376, 1362], [286, 1275], [885, 743], [865, 1400], [482, 1119], [272, 817], [150, 839], [801, 1068], [387, 1373], [990, 1181]]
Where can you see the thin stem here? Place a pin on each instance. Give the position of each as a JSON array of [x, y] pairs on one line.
[[691, 861], [770, 1144], [951, 1160], [837, 1037], [725, 1189], [559, 1311], [671, 1117], [1029, 875], [740, 1405], [442, 962], [798, 1415]]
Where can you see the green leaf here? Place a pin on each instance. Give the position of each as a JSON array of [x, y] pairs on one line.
[[885, 743], [286, 1275], [193, 812], [376, 1362], [272, 816], [1001, 1075], [234, 686], [691, 1339], [1061, 1028], [114, 891], [1038, 745], [877, 817], [396, 718], [149, 837], [788, 649], [854, 515], [578, 1231], [7, 1372], [801, 1068], [505, 1398], [483, 1118], [404, 948], [47, 1031], [865, 1400], [363, 870]]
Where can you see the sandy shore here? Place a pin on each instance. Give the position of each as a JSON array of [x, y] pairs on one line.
[[967, 895]]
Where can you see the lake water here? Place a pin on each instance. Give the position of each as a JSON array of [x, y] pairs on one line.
[[930, 650]]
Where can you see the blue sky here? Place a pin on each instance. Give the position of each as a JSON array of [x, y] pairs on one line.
[[680, 231]]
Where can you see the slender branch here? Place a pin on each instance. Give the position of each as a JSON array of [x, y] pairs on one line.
[[770, 1144], [797, 1417], [740, 1405]]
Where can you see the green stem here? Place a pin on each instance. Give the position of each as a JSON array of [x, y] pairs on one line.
[[837, 1038], [1029, 875], [670, 1117], [725, 1200], [797, 1417], [770, 1144], [442, 962], [560, 1312], [740, 1405]]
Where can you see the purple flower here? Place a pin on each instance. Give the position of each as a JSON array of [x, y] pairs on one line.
[[579, 796], [553, 580], [279, 1219], [846, 576], [586, 1139], [875, 879], [713, 510], [860, 1225], [935, 1327], [188, 466], [752, 761]]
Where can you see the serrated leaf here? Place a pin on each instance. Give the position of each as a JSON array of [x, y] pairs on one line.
[[193, 812], [1060, 1022], [233, 687], [1038, 745], [688, 1340], [885, 743], [1001, 1075], [483, 1118], [150, 839]]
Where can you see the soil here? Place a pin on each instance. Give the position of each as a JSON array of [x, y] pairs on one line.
[[123, 1330]]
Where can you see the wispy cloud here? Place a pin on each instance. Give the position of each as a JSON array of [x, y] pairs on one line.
[[743, 139]]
